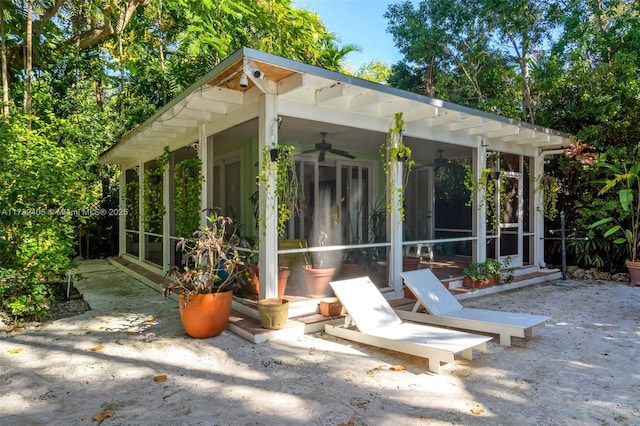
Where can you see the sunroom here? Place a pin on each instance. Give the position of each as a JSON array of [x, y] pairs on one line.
[[467, 192]]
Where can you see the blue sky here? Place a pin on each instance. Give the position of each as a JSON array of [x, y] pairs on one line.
[[360, 22]]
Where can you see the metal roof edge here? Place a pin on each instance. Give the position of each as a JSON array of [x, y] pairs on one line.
[[348, 79], [294, 65]]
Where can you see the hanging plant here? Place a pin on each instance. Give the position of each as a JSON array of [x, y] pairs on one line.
[[287, 191], [390, 154], [188, 187], [154, 208], [550, 187], [486, 183], [132, 193]]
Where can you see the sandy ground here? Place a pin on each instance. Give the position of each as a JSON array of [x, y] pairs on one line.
[[583, 368]]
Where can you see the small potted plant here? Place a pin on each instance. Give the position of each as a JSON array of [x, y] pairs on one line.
[[205, 280], [489, 272], [476, 275]]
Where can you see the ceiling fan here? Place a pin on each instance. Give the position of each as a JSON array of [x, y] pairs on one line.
[[324, 147], [440, 161]]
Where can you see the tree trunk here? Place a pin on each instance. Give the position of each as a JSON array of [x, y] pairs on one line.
[[28, 63], [5, 77]]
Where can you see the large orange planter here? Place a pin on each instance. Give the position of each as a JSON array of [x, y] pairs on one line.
[[634, 272], [205, 315], [318, 280]]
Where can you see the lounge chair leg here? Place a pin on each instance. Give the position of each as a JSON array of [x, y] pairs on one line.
[[467, 354], [505, 340], [434, 365], [528, 332]]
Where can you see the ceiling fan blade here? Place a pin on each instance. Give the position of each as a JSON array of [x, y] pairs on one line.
[[322, 155], [310, 150], [343, 153]]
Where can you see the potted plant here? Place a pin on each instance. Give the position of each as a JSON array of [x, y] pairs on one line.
[[476, 275], [356, 262], [205, 280], [489, 272], [626, 177], [317, 274], [279, 160]]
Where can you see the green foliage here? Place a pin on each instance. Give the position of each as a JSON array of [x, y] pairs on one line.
[[48, 190], [550, 188], [390, 154], [287, 189], [210, 260], [188, 186], [626, 177], [154, 207], [24, 296], [132, 194], [480, 271], [486, 186]]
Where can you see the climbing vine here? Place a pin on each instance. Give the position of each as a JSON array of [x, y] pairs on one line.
[[550, 188], [132, 193], [389, 154], [154, 208], [188, 187], [487, 184]]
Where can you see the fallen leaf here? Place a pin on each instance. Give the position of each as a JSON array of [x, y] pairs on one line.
[[397, 368], [16, 351], [351, 423], [150, 318], [133, 333], [97, 348], [101, 416], [477, 411], [160, 378]]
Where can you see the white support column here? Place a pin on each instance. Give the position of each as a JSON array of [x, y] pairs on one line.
[[142, 244], [395, 191], [167, 190], [479, 207], [538, 212], [205, 152], [268, 229], [122, 219]]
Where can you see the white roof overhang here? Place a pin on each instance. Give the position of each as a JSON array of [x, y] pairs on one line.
[[219, 101]]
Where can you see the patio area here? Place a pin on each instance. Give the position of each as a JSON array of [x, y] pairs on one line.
[[580, 369]]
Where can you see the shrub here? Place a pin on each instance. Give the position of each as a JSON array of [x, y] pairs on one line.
[[23, 295]]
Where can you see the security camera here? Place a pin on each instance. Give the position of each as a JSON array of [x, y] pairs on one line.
[[244, 81], [258, 74]]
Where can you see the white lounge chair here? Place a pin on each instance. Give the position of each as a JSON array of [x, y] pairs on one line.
[[378, 325], [445, 310]]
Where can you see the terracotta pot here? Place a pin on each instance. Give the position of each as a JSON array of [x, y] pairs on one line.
[[246, 280], [205, 315], [318, 280], [273, 313], [283, 279], [469, 283], [352, 270], [634, 272]]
